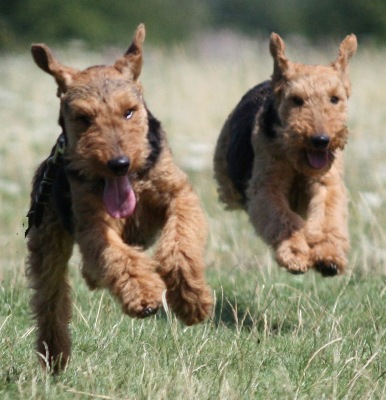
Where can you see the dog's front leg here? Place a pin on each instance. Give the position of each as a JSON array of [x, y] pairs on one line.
[[108, 262], [180, 258], [270, 214], [327, 230]]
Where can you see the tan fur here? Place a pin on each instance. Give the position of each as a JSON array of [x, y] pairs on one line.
[[299, 210], [94, 103]]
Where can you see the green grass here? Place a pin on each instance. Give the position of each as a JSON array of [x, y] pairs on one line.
[[277, 336], [272, 335]]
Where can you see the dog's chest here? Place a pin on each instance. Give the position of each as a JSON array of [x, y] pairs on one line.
[[144, 226], [299, 197]]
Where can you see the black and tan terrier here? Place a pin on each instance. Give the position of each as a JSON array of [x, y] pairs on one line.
[[279, 157], [111, 187]]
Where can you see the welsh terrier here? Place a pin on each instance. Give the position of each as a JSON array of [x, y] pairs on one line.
[[111, 187], [279, 157]]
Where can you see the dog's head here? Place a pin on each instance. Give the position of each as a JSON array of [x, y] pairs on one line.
[[311, 103], [106, 121]]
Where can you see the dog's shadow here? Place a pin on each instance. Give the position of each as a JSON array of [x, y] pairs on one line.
[[235, 313], [231, 312]]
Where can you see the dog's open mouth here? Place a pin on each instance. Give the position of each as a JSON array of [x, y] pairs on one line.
[[318, 159], [119, 197]]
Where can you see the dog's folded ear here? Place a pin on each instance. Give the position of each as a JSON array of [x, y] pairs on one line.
[[45, 59], [131, 62]]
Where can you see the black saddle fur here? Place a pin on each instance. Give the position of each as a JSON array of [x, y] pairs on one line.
[[240, 153]]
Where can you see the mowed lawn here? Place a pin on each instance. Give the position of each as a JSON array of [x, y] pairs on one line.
[[272, 335]]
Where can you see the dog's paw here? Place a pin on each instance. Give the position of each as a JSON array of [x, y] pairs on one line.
[[327, 268], [328, 259], [141, 296], [191, 305], [296, 265], [293, 254], [147, 312]]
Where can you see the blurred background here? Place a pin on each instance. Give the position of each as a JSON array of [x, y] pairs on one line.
[[101, 22]]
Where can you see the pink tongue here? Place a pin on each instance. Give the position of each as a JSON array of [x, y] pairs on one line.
[[317, 159], [119, 197]]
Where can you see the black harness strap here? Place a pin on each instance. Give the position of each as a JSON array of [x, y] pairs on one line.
[[50, 169]]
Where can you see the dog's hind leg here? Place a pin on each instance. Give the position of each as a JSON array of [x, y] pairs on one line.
[[50, 248]]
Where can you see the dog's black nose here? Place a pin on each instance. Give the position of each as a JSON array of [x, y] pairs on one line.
[[119, 165], [320, 142]]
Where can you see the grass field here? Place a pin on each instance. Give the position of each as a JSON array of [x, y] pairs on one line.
[[272, 335]]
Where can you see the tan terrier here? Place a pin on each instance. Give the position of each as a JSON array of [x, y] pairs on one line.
[[111, 187], [279, 157]]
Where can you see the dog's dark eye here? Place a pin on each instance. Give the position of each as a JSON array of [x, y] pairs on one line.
[[334, 99], [84, 119], [128, 114], [297, 100]]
